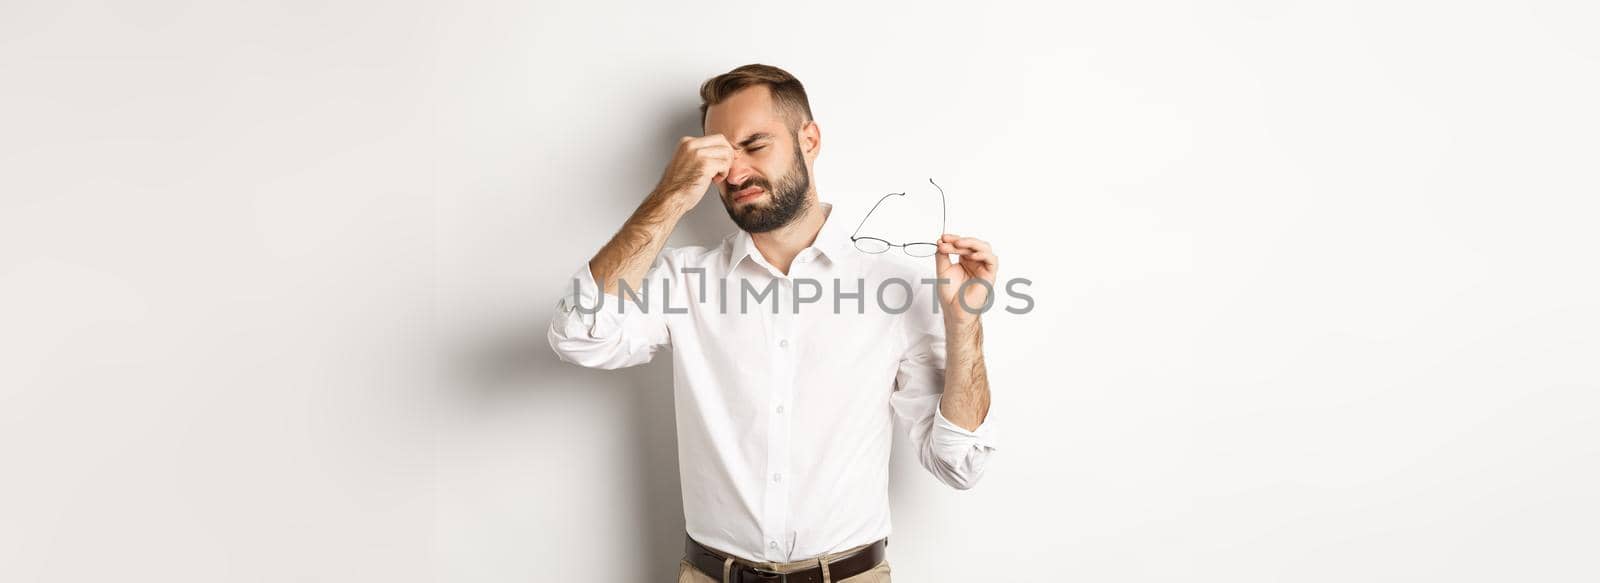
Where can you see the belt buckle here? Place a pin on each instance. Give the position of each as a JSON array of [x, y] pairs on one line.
[[766, 575]]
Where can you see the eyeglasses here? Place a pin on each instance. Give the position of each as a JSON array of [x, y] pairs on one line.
[[914, 249]]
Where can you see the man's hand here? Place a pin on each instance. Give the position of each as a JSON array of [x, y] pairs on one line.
[[977, 260], [633, 249], [966, 382], [695, 164]]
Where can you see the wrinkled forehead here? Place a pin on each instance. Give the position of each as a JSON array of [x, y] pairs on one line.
[[748, 112]]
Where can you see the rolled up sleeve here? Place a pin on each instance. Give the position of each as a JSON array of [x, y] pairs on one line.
[[951, 453], [618, 334]]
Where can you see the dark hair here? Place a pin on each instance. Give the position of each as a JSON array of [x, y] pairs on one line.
[[787, 92]]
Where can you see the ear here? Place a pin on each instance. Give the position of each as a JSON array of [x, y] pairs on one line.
[[810, 140]]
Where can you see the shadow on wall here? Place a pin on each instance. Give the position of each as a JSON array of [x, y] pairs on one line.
[[517, 357]]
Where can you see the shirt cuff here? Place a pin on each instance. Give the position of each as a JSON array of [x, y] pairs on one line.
[[984, 436], [587, 321]]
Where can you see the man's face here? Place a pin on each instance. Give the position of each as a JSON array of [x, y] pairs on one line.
[[766, 185]]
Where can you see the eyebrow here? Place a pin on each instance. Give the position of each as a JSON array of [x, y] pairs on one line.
[[745, 143]]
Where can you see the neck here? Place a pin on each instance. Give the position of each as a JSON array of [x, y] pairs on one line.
[[781, 245]]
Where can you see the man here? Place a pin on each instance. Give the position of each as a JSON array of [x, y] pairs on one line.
[[785, 411]]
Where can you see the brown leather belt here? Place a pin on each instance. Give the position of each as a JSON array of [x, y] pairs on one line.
[[710, 562]]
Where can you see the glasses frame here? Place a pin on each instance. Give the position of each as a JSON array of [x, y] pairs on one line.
[[904, 247]]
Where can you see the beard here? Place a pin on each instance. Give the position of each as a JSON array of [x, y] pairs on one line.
[[788, 199]]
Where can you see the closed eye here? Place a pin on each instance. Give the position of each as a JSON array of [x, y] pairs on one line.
[[755, 148]]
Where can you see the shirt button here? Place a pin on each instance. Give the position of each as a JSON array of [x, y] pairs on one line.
[[772, 545], [783, 343], [780, 409], [777, 477]]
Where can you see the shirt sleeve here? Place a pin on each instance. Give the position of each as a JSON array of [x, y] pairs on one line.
[[951, 453], [617, 332]]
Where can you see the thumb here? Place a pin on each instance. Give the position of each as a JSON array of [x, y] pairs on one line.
[[948, 271]]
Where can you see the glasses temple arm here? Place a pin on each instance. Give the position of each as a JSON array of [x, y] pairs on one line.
[[942, 209], [869, 213]]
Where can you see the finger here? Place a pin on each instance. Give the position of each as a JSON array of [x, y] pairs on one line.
[[709, 140], [984, 258], [951, 249], [691, 144], [716, 165], [714, 151], [718, 168], [973, 243], [714, 141], [955, 249]]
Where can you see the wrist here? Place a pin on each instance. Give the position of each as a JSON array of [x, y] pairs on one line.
[[674, 203], [957, 321]]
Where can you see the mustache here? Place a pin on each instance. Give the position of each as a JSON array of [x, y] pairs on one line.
[[749, 182]]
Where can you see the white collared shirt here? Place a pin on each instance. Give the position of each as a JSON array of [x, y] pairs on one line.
[[785, 419]]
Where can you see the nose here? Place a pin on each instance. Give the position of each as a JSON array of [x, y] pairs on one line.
[[739, 171]]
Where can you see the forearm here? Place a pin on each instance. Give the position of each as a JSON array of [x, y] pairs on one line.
[[966, 381], [629, 253]]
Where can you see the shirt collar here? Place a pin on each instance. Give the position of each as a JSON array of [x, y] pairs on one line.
[[833, 241]]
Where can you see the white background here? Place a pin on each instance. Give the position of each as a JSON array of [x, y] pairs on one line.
[[1316, 286]]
